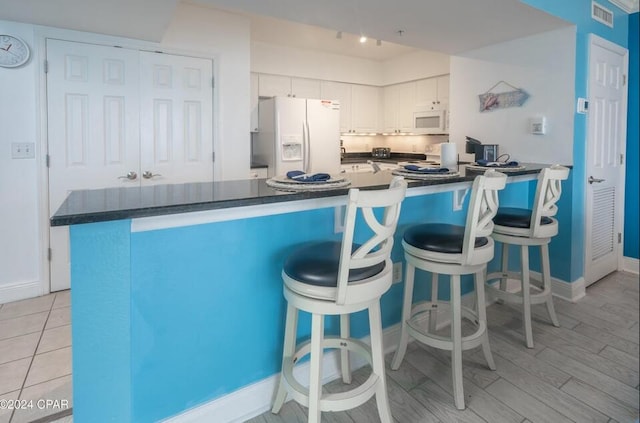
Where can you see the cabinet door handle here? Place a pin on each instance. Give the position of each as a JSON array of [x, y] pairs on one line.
[[591, 180]]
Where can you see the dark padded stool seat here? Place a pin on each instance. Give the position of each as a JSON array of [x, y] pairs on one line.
[[317, 264], [441, 238], [517, 218]]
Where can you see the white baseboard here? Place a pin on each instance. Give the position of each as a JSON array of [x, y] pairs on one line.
[[255, 399], [631, 265], [570, 291], [20, 291]]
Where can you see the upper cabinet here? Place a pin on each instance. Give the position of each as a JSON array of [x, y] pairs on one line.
[[399, 101], [365, 108], [285, 86], [342, 92], [432, 93], [359, 105]]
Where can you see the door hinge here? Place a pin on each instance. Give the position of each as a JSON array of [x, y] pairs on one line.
[[46, 66], [47, 160], [213, 82], [624, 79], [619, 238], [621, 158], [213, 157], [49, 253]]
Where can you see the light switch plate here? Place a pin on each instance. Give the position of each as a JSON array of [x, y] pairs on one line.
[[23, 150]]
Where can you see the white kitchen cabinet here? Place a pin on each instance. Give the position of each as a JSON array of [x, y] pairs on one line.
[[399, 102], [253, 102], [432, 93], [365, 108], [342, 92], [359, 105], [285, 86], [305, 88], [274, 85]]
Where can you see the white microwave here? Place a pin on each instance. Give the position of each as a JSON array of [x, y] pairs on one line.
[[430, 122]]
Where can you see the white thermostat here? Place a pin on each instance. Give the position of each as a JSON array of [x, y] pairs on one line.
[[538, 125]]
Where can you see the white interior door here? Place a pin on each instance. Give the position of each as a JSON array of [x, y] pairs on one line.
[[116, 117], [93, 129], [176, 94], [605, 155]]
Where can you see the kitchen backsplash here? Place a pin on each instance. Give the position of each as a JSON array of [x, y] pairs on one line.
[[397, 143]]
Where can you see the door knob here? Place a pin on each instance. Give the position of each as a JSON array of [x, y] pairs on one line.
[[147, 174], [591, 180], [132, 176]]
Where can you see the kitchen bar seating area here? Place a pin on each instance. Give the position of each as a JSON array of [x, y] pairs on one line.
[[164, 161], [153, 252]]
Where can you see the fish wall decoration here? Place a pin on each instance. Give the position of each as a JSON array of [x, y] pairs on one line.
[[492, 101]]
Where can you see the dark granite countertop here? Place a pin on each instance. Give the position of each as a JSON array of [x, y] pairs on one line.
[[124, 203]]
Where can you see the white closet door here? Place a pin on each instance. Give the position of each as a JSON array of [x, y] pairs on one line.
[[606, 138], [93, 129], [176, 119]]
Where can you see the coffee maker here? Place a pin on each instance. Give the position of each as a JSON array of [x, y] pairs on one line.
[[488, 152]]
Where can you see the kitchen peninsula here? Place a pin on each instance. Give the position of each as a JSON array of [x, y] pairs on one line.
[[177, 295]]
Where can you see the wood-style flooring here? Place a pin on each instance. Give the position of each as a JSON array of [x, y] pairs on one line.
[[584, 371]]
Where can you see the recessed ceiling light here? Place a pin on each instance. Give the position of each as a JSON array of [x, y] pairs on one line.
[[363, 39]]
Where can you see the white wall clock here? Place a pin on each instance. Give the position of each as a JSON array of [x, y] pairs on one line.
[[13, 51]]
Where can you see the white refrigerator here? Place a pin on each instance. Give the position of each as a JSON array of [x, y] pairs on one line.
[[298, 134]]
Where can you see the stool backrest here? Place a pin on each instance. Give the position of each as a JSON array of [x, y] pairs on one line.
[[548, 193], [483, 206], [377, 248]]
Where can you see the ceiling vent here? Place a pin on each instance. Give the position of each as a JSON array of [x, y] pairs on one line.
[[601, 14]]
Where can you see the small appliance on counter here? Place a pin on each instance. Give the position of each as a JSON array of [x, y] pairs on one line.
[[487, 152], [381, 152]]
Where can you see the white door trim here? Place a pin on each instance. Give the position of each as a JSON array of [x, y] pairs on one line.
[[595, 40], [41, 34]]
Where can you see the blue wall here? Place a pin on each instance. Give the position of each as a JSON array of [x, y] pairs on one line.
[[631, 232], [578, 12], [165, 320]]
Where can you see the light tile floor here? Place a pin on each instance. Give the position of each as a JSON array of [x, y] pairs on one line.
[[587, 370], [35, 356]]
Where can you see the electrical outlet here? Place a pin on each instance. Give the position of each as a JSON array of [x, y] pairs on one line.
[[397, 272], [23, 150]]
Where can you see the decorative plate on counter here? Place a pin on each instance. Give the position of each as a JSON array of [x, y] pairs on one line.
[[284, 183], [411, 174], [478, 168]]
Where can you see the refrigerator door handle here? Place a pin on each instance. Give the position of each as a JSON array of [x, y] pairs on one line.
[[306, 146]]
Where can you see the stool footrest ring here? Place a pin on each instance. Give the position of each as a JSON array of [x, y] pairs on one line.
[[444, 343], [539, 297], [337, 401]]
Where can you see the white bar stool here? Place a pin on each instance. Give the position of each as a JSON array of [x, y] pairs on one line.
[[340, 278], [452, 250], [513, 226]]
